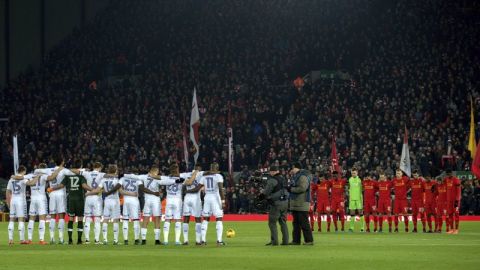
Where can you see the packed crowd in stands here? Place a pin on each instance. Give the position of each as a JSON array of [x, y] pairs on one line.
[[119, 89]]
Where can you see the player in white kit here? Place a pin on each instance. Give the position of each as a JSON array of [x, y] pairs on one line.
[[58, 201], [192, 204], [93, 203], [131, 206], [38, 203], [150, 185], [214, 201], [173, 208], [110, 184], [17, 202]]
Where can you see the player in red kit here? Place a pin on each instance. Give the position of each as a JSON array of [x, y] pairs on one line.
[[453, 201], [430, 195], [418, 188], [323, 201], [441, 209], [401, 185], [313, 193], [384, 207], [369, 201], [338, 200]]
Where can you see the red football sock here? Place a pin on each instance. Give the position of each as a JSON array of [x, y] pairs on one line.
[[415, 221], [380, 222], [312, 221], [451, 218], [447, 223], [396, 222], [457, 221], [329, 221], [319, 222], [335, 219], [375, 223], [342, 220], [422, 218], [405, 220], [429, 220], [389, 219], [367, 222]]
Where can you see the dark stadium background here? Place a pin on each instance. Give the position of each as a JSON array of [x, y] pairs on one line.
[[113, 80]]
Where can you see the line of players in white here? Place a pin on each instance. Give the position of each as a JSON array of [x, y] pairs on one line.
[[183, 199]]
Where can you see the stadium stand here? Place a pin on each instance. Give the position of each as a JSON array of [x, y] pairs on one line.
[[119, 89]]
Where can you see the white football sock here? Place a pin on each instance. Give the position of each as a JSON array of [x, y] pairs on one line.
[[178, 231], [31, 225], [105, 231], [11, 227], [21, 230], [219, 228], [51, 227], [157, 234], [136, 229], [61, 227], [204, 230], [143, 231], [41, 230], [166, 230], [115, 231], [185, 232], [97, 229], [86, 229], [198, 232], [125, 230]]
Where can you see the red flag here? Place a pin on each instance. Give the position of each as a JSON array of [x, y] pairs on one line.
[[335, 166], [476, 162]]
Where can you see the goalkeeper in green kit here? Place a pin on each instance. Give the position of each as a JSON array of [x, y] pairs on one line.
[[355, 194], [75, 185]]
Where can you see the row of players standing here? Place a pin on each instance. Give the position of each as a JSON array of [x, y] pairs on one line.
[[94, 194], [430, 200]]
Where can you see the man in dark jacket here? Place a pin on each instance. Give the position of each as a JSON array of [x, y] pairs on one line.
[[276, 196], [299, 200]]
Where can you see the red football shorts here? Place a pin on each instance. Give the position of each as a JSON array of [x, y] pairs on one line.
[[451, 209], [384, 207], [338, 206], [323, 206], [441, 208], [416, 205], [430, 208], [400, 207], [369, 207]]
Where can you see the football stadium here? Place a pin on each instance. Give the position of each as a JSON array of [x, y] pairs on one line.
[[239, 134]]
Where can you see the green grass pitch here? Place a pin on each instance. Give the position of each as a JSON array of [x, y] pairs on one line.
[[247, 251]]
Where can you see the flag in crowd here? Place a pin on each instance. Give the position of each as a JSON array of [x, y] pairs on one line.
[[471, 138], [185, 145], [195, 125], [405, 159], [230, 145], [335, 166], [16, 161]]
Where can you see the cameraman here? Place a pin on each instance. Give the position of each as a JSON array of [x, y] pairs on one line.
[[299, 188], [276, 196]]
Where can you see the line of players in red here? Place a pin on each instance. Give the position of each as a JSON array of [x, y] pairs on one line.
[[431, 200]]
